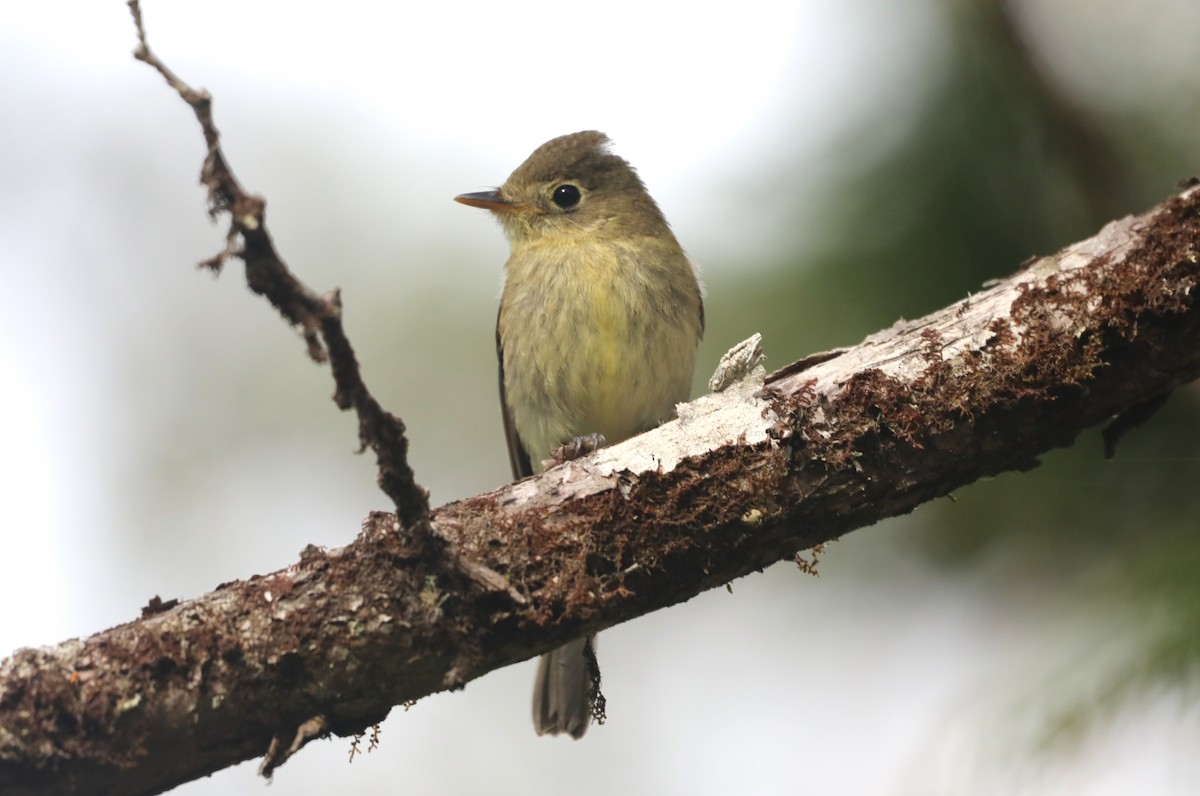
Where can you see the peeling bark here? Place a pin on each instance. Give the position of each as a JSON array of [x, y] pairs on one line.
[[741, 480]]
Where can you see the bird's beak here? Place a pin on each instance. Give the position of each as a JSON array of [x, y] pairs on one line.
[[488, 200]]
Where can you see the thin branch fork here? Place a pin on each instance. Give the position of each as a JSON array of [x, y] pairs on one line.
[[740, 480]]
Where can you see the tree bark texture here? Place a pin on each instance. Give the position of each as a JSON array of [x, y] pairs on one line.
[[742, 479]]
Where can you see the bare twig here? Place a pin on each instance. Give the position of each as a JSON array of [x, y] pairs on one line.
[[319, 316], [278, 754]]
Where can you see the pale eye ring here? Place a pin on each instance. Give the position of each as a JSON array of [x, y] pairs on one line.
[[566, 196]]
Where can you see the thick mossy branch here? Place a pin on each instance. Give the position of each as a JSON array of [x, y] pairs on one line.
[[742, 479]]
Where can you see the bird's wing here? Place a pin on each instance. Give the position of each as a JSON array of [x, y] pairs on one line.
[[518, 457]]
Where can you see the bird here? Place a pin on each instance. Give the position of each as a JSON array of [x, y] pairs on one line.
[[600, 318]]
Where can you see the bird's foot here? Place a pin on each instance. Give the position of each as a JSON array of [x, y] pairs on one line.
[[575, 449]]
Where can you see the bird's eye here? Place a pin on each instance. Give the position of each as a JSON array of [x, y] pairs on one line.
[[565, 196]]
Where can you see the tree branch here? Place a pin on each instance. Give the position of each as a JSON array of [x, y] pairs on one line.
[[742, 479], [318, 316]]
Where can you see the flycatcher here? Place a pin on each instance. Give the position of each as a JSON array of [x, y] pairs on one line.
[[599, 322]]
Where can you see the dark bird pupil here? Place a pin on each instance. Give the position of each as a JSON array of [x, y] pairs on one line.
[[566, 196]]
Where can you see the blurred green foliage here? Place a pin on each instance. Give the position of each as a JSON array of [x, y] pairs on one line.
[[1001, 165]]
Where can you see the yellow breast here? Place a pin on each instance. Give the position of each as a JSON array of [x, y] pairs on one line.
[[594, 341]]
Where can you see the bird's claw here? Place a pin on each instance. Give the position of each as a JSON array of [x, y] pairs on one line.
[[575, 449]]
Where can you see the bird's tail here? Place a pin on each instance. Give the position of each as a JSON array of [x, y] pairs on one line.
[[561, 691]]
